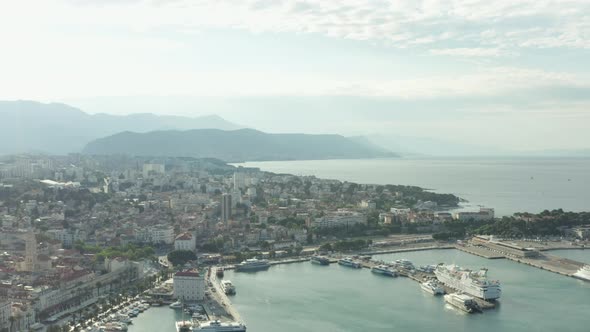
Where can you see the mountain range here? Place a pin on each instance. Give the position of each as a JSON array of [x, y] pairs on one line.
[[55, 128], [235, 145], [33, 127]]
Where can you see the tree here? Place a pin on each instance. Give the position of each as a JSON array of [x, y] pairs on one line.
[[181, 257]]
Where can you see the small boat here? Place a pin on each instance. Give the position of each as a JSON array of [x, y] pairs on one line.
[[432, 287], [219, 272], [176, 305], [184, 326], [217, 326]]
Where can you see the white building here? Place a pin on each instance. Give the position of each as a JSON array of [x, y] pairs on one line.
[[340, 218], [189, 286], [185, 241], [162, 234], [368, 204], [226, 207], [239, 180], [484, 214]]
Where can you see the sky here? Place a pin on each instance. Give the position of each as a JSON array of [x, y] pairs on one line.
[[511, 75]]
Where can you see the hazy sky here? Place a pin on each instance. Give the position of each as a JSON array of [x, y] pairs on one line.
[[510, 74]]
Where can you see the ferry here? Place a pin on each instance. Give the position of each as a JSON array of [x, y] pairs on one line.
[[432, 287], [321, 260], [384, 270], [469, 282], [253, 265], [403, 264], [228, 288], [349, 262], [462, 302], [583, 273], [217, 326]]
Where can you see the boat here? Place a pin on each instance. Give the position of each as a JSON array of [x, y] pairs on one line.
[[463, 302], [176, 305], [217, 326], [468, 281], [228, 288], [432, 287], [184, 326], [583, 273], [320, 260], [403, 264], [349, 262], [219, 272], [253, 264], [427, 268], [384, 270]]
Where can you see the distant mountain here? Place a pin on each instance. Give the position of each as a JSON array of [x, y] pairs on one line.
[[29, 126], [235, 145]]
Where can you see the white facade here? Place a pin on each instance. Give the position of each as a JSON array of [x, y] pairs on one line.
[[340, 218], [185, 241], [483, 215], [189, 286]]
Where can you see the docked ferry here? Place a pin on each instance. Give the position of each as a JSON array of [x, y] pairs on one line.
[[253, 264], [321, 260], [228, 288], [384, 270], [462, 302], [469, 282], [349, 262]]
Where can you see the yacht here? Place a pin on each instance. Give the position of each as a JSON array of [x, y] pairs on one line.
[[583, 273], [253, 265], [349, 262], [463, 302], [384, 270], [432, 287], [176, 305], [217, 326], [320, 260], [185, 326], [228, 288], [469, 282]]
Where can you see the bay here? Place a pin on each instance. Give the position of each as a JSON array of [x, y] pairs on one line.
[[507, 184], [307, 297]]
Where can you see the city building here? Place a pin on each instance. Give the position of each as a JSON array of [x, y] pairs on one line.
[[185, 241], [5, 312], [225, 207], [504, 247], [189, 286], [153, 169], [484, 214], [340, 218]]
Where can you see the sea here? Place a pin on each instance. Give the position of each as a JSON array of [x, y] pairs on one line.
[[508, 185], [307, 297]]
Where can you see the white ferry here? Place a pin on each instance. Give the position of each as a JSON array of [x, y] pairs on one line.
[[469, 282], [403, 264], [463, 302], [253, 265], [227, 287], [349, 262], [432, 287], [384, 270], [217, 326], [185, 326], [320, 260], [583, 273]]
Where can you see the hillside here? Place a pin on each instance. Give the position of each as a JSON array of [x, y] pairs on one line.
[[235, 145], [54, 128]]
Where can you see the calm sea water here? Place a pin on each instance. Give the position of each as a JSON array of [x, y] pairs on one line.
[[507, 184], [306, 297]]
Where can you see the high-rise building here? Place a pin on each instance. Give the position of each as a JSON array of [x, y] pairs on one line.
[[30, 252], [239, 180], [225, 207]]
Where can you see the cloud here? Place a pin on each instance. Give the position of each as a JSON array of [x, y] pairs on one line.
[[471, 52]]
